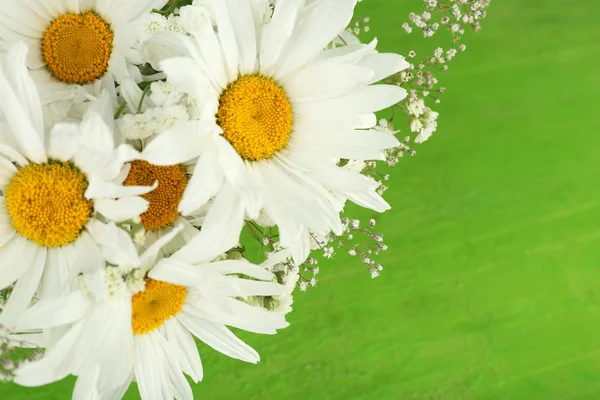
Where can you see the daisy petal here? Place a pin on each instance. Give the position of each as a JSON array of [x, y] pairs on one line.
[[226, 37], [25, 88], [86, 252], [228, 267], [351, 145], [19, 251], [255, 319], [151, 253], [323, 23], [116, 245], [182, 143], [122, 209], [178, 385], [98, 189], [220, 232], [322, 81], [24, 290], [238, 175], [13, 155], [206, 180], [119, 393], [242, 21], [186, 348], [276, 258], [239, 315], [210, 56], [51, 368], [64, 141], [28, 340], [62, 266], [86, 386], [163, 46], [383, 65], [277, 32], [7, 171], [352, 185], [358, 102], [246, 287], [23, 130], [176, 272], [103, 106], [55, 312], [187, 73], [97, 145], [149, 372], [352, 53], [106, 340], [219, 338]]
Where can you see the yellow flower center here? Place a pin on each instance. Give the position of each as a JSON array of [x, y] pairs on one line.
[[77, 47], [165, 199], [47, 203], [256, 117], [158, 303]]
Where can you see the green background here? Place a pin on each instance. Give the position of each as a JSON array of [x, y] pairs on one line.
[[491, 285]]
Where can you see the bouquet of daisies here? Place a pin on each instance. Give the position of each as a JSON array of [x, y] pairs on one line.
[[140, 138]]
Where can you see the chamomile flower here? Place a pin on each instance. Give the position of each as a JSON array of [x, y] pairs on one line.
[[54, 189], [276, 112], [76, 43], [119, 331]]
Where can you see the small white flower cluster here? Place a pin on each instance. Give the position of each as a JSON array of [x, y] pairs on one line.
[[356, 240], [452, 14], [361, 24], [310, 269], [166, 107], [419, 78], [123, 281], [422, 118], [179, 18]]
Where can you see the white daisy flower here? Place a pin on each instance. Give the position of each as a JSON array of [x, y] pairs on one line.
[[276, 112], [54, 189], [76, 42], [114, 336]]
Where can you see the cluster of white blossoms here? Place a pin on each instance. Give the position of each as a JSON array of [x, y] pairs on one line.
[[451, 16], [147, 144]]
